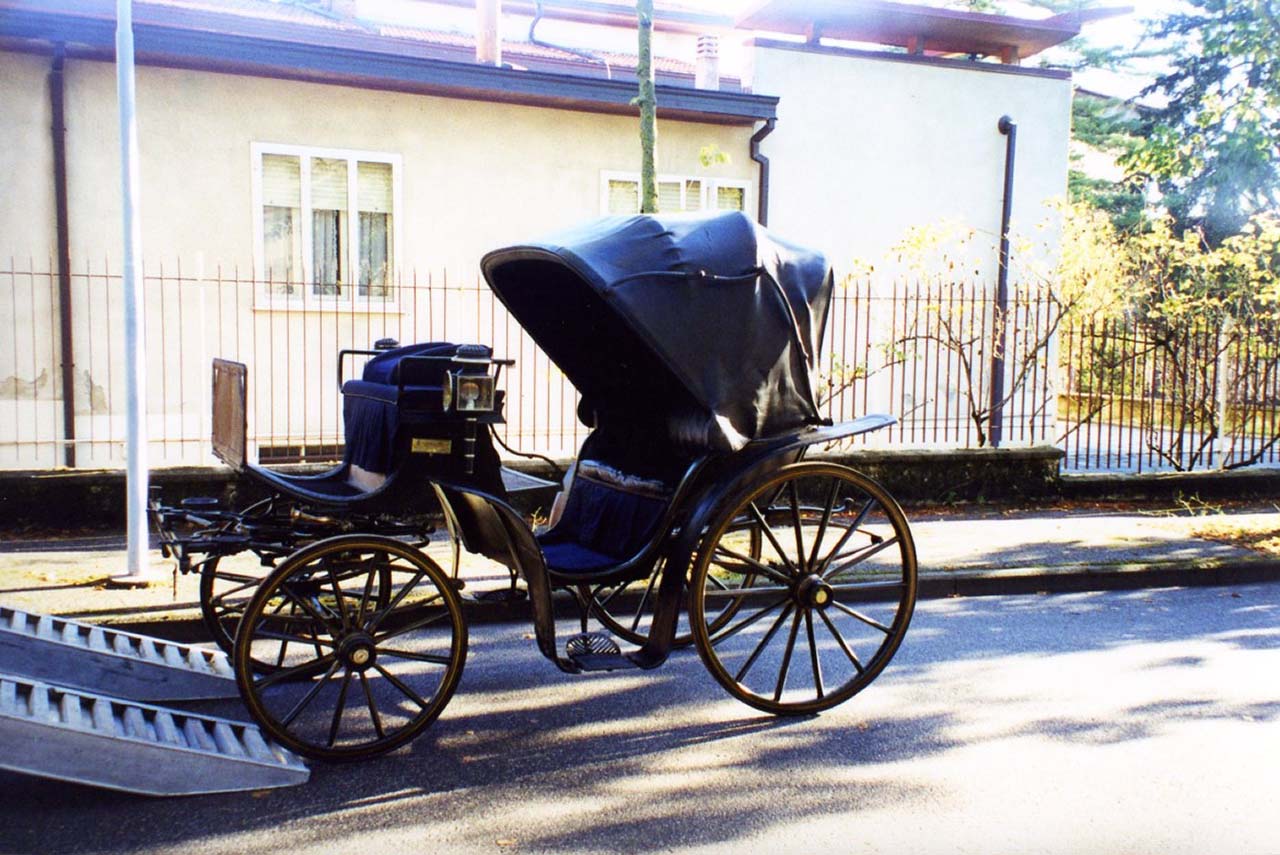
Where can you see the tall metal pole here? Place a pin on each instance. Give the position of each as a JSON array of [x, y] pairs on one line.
[[995, 421], [134, 344]]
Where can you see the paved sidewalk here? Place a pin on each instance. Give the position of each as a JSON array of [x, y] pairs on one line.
[[961, 552]]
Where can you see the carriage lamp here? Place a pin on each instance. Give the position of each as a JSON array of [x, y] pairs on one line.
[[468, 393]]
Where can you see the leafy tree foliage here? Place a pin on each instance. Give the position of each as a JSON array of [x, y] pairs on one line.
[[1111, 128], [1215, 147]]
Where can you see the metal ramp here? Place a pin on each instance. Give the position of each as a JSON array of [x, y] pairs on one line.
[[123, 664], [92, 739]]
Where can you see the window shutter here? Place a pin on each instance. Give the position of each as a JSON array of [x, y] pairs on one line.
[[693, 195], [328, 184], [281, 181], [730, 198], [669, 196], [624, 197], [373, 186]]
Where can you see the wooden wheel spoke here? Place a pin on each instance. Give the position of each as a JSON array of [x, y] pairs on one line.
[[797, 526], [378, 617], [309, 696], [857, 557], [768, 636], [746, 621], [856, 615], [822, 525], [738, 593], [339, 600], [434, 659], [270, 635], [284, 674], [415, 626], [773, 540], [786, 658], [306, 606], [835, 633], [813, 653], [364, 595], [399, 684], [755, 565], [339, 708], [844, 538], [373, 707]]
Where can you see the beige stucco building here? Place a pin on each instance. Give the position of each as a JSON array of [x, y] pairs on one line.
[[311, 183]]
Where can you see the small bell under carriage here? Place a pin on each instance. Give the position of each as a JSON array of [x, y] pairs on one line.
[[689, 517]]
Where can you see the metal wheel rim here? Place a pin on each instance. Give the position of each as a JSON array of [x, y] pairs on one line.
[[785, 631], [353, 685]]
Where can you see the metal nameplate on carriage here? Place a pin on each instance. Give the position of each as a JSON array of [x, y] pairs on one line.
[[426, 445]]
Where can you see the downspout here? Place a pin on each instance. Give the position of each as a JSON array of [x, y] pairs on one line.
[[762, 206], [1007, 127], [57, 88]]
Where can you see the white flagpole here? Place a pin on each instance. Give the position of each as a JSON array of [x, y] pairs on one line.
[[134, 328]]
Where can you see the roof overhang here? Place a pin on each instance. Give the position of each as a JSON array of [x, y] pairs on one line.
[[214, 42], [919, 29]]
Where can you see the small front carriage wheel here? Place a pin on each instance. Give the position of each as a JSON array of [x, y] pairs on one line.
[[826, 601], [350, 647]]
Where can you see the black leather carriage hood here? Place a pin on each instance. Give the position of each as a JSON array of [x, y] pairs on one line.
[[708, 324]]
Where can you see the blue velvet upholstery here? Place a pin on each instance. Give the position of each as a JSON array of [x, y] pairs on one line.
[[604, 523], [387, 367]]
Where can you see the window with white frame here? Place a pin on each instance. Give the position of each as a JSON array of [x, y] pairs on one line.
[[325, 222], [621, 193]]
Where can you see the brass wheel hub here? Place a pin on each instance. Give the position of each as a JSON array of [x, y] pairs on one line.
[[813, 592], [358, 651]]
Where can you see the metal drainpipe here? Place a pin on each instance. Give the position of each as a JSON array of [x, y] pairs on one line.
[[58, 126], [762, 208], [1007, 127]]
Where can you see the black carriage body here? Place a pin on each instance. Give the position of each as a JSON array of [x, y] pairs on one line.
[[693, 341]]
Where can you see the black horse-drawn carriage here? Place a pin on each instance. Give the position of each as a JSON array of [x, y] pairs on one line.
[[689, 516]]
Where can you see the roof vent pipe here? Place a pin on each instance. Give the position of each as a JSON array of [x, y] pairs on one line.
[[488, 44], [707, 69]]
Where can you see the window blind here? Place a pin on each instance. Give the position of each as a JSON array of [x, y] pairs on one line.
[[328, 184], [281, 181], [624, 197], [373, 187], [730, 198]]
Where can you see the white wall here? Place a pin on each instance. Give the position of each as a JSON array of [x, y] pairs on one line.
[[865, 148]]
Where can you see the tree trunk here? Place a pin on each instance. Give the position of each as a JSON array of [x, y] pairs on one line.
[[648, 103]]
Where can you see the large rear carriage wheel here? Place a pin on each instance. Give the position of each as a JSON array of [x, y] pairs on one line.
[[350, 647], [821, 610]]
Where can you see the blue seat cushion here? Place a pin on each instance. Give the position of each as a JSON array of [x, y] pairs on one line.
[[388, 368], [608, 518], [574, 558]]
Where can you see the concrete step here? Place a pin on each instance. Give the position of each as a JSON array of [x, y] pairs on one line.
[[58, 733], [124, 664]]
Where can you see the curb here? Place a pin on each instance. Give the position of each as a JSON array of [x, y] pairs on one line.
[[933, 585]]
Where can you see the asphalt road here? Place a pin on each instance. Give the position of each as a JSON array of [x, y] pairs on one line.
[[1129, 722]]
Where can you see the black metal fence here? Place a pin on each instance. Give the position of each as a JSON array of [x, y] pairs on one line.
[[1114, 396]]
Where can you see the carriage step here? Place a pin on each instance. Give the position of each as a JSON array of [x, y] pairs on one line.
[[102, 741], [94, 659], [595, 651], [590, 642], [602, 661]]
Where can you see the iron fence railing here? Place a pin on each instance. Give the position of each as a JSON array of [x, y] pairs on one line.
[[1105, 390]]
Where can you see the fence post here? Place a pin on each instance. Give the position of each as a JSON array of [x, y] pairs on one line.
[[995, 418]]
